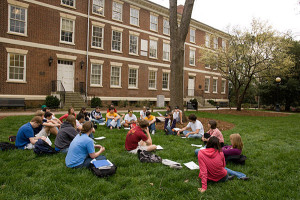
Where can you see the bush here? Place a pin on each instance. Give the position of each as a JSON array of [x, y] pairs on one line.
[[52, 101], [95, 101], [212, 102]]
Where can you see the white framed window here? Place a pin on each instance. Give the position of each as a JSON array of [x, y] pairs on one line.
[[97, 36], [153, 22], [165, 80], [153, 49], [166, 51], [207, 84], [133, 77], [17, 21], [192, 35], [70, 3], [152, 79], [117, 10], [223, 87], [223, 44], [98, 7], [115, 76], [67, 30], [215, 42], [192, 57], [166, 27], [134, 16], [96, 74], [215, 85], [133, 44], [207, 66], [16, 64], [207, 40], [116, 41]]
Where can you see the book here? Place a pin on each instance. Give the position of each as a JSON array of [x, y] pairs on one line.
[[196, 145], [191, 165], [102, 164], [158, 147], [113, 123], [100, 138]]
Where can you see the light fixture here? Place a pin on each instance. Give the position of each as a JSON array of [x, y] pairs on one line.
[[50, 60], [278, 79], [81, 64]]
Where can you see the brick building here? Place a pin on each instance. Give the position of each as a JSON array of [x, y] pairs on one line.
[[112, 49]]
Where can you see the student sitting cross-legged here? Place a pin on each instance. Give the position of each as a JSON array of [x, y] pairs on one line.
[[113, 119], [213, 131], [70, 112], [136, 138], [130, 118], [170, 124], [82, 149], [25, 138], [236, 146], [151, 120], [66, 134], [195, 125], [96, 116]]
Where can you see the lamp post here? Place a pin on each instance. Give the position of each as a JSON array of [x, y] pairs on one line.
[[278, 80]]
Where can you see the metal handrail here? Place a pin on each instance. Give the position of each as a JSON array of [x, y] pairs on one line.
[[57, 86]]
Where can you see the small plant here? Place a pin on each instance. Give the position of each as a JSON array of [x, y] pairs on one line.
[[52, 101], [212, 102], [95, 101]]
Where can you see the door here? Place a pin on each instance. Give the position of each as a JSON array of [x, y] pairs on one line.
[[65, 74], [191, 86]]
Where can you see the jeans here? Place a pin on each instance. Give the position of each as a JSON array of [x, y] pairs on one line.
[[88, 160], [152, 127], [99, 121], [192, 135], [234, 173], [169, 131], [109, 120]]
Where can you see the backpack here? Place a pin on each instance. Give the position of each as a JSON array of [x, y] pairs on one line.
[[7, 146], [101, 173], [42, 147], [146, 156], [237, 159]]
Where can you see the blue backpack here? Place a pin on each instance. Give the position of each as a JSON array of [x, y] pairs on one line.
[[41, 147]]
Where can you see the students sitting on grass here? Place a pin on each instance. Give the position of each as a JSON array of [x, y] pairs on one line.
[[130, 118], [85, 113], [25, 138], [82, 149], [195, 125], [136, 138], [213, 131], [96, 116], [151, 120], [66, 134], [143, 113], [48, 125], [70, 112], [177, 115], [170, 124], [47, 109], [113, 119], [111, 106], [212, 165], [79, 121], [236, 146]]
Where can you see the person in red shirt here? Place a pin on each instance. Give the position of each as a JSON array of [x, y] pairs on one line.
[[70, 112], [136, 138], [111, 106]]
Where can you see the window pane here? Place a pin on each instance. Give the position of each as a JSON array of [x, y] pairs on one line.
[[133, 42], [117, 11], [98, 7], [116, 41], [17, 19], [132, 78], [16, 66]]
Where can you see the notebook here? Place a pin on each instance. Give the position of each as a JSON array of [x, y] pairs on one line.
[[100, 164]]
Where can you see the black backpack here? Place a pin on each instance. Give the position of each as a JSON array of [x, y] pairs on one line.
[[146, 156], [101, 173], [41, 147], [237, 159], [6, 146]]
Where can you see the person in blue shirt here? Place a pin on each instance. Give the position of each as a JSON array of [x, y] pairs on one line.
[[82, 149], [25, 138]]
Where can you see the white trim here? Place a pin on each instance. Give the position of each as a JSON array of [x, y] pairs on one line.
[[193, 48], [112, 10], [134, 66], [192, 74], [217, 100], [8, 80], [137, 43], [102, 10], [215, 79], [116, 28], [153, 38], [121, 38], [121, 2], [66, 57], [207, 77], [138, 16], [16, 51], [67, 16], [134, 33], [74, 2], [120, 75], [26, 21], [95, 61], [105, 98], [154, 15], [166, 71], [116, 64], [152, 69], [224, 91], [101, 79], [17, 3], [26, 97], [137, 76], [165, 89], [98, 24], [192, 64], [166, 41], [156, 49], [73, 35], [102, 43]]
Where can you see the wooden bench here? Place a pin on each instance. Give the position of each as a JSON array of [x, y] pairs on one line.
[[12, 102]]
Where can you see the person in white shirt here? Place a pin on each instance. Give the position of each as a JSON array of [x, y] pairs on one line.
[[195, 125], [130, 118], [143, 112], [177, 115]]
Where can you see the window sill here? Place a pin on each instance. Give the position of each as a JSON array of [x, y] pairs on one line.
[[69, 43], [167, 60], [115, 87], [192, 65], [73, 7], [152, 89], [207, 92], [96, 86], [133, 88], [153, 58], [116, 51], [15, 81], [215, 92], [132, 54], [165, 89], [117, 20], [100, 48], [166, 34], [135, 25], [98, 14], [18, 34], [156, 31], [223, 92]]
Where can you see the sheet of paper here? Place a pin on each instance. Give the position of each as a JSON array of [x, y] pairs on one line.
[[191, 165], [113, 123], [196, 145], [159, 114], [183, 137], [48, 141], [127, 128], [176, 129], [158, 147], [100, 138]]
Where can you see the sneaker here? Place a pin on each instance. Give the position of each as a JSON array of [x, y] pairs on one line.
[[230, 178], [153, 132]]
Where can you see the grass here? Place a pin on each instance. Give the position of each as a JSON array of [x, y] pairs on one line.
[[271, 145]]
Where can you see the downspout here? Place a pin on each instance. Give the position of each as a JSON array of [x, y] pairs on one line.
[[87, 52]]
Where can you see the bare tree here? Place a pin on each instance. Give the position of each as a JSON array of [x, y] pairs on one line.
[[178, 36]]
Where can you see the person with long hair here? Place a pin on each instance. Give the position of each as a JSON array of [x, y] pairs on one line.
[[66, 134], [170, 124], [236, 146], [212, 165], [82, 149], [213, 131], [70, 112]]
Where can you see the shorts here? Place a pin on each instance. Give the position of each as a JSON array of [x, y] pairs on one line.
[[134, 151]]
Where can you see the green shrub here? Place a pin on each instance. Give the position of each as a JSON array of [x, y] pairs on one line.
[[212, 102], [95, 101], [52, 101]]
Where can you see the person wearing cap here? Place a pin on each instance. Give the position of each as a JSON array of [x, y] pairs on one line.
[[130, 118], [177, 115]]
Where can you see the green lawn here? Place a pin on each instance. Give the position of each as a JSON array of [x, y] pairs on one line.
[[271, 145]]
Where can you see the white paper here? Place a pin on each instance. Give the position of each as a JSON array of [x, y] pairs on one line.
[[113, 123], [176, 129], [183, 137], [196, 145], [191, 165], [48, 141], [159, 114], [127, 128], [100, 138], [158, 147]]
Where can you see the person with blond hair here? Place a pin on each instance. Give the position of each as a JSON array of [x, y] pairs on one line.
[[82, 149], [236, 146], [66, 134]]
